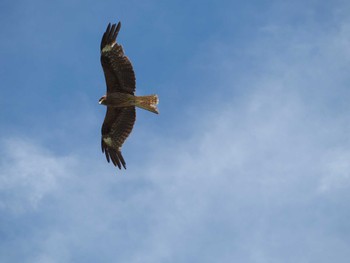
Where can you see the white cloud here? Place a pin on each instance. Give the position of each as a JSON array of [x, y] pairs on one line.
[[249, 183], [28, 173], [337, 172]]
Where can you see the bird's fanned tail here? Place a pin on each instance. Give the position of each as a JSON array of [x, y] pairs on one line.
[[147, 103]]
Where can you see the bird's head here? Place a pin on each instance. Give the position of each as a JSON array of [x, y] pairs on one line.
[[102, 100]]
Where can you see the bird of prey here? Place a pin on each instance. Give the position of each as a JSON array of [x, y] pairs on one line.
[[120, 98]]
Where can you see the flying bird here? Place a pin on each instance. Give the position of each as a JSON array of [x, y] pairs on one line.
[[120, 98]]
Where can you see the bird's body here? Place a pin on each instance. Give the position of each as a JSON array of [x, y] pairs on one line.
[[120, 98]]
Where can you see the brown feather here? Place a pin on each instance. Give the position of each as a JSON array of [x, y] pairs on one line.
[[117, 126], [117, 68]]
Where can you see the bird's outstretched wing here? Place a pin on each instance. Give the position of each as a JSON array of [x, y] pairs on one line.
[[117, 68], [116, 128]]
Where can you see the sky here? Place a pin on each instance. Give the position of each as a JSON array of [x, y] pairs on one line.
[[248, 160]]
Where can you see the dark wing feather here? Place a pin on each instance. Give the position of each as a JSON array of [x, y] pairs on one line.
[[117, 68], [116, 127]]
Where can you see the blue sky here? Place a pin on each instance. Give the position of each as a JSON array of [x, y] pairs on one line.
[[247, 162]]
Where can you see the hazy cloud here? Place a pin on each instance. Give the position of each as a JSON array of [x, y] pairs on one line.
[[28, 173]]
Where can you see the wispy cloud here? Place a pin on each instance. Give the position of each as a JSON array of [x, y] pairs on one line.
[[28, 173]]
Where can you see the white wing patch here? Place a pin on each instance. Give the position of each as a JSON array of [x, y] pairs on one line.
[[108, 48], [108, 141]]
